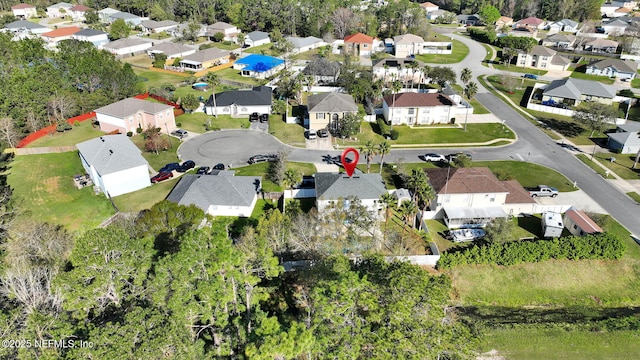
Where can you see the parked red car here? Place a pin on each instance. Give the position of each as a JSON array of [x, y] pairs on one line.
[[161, 177]]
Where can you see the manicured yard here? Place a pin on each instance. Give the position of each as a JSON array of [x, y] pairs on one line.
[[528, 174], [234, 75], [292, 134], [156, 161], [82, 132], [621, 166], [595, 167], [634, 195], [581, 75], [635, 83], [477, 107], [497, 64], [262, 49], [196, 122], [458, 53], [262, 169], [142, 60], [227, 46], [145, 198], [43, 188], [182, 91], [156, 79]]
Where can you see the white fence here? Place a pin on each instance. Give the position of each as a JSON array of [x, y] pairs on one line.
[[550, 109], [539, 208]]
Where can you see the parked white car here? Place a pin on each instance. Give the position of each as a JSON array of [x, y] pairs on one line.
[[433, 157]]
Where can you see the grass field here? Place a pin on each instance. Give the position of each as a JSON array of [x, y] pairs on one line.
[[497, 64], [145, 198], [458, 53], [156, 79], [292, 134], [595, 167], [528, 174], [621, 166], [262, 169], [634, 195], [156, 161], [234, 75], [84, 131], [43, 188], [477, 107], [195, 122], [262, 49]]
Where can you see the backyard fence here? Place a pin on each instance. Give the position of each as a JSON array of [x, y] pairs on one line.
[[52, 129]]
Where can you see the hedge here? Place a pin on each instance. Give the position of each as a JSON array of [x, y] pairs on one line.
[[603, 246]]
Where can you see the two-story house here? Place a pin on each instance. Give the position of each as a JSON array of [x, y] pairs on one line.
[[407, 45], [541, 57], [358, 44], [418, 108], [129, 114], [327, 109]]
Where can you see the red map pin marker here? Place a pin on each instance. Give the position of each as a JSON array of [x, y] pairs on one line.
[[350, 166]]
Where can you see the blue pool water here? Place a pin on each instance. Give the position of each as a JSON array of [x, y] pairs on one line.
[[200, 86], [259, 63]]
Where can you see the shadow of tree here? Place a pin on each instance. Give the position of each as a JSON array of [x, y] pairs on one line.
[[565, 128]]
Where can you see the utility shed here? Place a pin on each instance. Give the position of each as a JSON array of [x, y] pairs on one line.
[[552, 224]]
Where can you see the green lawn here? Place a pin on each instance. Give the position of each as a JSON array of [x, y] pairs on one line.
[[262, 49], [634, 195], [196, 122], [528, 174], [581, 75], [458, 53], [184, 90], [156, 79], [621, 166], [156, 161], [595, 167], [158, 36], [145, 198], [533, 343], [497, 64], [292, 134], [635, 83], [43, 188], [262, 169], [234, 75], [82, 132], [228, 46], [477, 107]]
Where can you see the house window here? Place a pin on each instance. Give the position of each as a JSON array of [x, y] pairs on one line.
[[320, 116], [544, 65], [575, 226], [364, 46], [412, 111]]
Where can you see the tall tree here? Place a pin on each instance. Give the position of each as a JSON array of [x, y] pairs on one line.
[[384, 148], [407, 210], [119, 29], [389, 201], [596, 116], [489, 15], [369, 150], [465, 76], [470, 92], [292, 177], [213, 80]]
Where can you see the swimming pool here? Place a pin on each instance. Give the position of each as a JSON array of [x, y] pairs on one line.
[[200, 86], [259, 63]]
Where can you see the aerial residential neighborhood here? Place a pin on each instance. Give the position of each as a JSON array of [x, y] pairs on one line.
[[302, 180]]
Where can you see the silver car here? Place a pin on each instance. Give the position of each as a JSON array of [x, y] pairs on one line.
[[433, 157]]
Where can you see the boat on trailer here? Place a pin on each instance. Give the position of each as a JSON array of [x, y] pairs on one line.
[[464, 235]]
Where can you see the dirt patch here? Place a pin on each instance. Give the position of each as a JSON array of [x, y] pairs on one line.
[[490, 355]]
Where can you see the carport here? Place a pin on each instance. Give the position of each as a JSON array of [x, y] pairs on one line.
[[468, 217]]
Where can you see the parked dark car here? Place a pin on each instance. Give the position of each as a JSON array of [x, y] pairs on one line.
[[323, 133], [452, 157], [161, 176], [180, 133], [203, 170], [531, 76], [186, 166], [264, 118], [254, 117], [169, 167], [219, 166], [262, 158]]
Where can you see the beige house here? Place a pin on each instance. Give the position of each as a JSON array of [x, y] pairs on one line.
[[407, 45], [544, 58], [572, 92], [205, 59], [326, 110], [129, 114]]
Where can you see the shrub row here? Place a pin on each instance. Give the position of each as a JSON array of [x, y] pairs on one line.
[[598, 246], [490, 37]]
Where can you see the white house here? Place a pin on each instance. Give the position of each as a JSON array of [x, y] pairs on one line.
[[304, 44], [541, 57], [240, 102], [417, 108], [79, 12], [126, 46], [407, 45], [621, 69], [59, 34], [218, 195], [105, 14], [24, 11], [579, 224], [229, 31], [615, 27], [127, 115], [256, 38], [626, 138], [171, 50], [24, 28], [60, 9], [152, 26], [332, 187], [96, 37], [258, 66], [115, 164], [564, 25]]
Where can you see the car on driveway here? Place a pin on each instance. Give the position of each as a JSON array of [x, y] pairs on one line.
[[254, 117], [186, 166], [161, 176], [169, 167], [323, 133], [433, 157], [180, 133], [203, 170], [312, 134], [264, 118], [219, 166]]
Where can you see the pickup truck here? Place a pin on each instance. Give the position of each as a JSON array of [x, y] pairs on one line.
[[543, 190]]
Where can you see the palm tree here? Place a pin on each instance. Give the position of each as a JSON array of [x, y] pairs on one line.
[[469, 92], [414, 67], [383, 149], [425, 73], [213, 80], [369, 151], [386, 68], [291, 178], [389, 201], [407, 210], [415, 182], [465, 75], [395, 86]]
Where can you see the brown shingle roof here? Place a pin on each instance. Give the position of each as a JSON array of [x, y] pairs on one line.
[[517, 194], [583, 221], [417, 100], [22, 6], [465, 181]]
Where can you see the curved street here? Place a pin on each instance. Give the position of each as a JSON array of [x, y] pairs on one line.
[[236, 146]]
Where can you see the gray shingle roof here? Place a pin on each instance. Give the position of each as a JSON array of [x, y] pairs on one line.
[[407, 39], [259, 95], [625, 138], [124, 16], [542, 51], [299, 42], [331, 102], [89, 32], [207, 55], [332, 186], [560, 38], [60, 5], [131, 106], [619, 65], [152, 24], [571, 88], [111, 153], [23, 24], [257, 35], [125, 43], [170, 48], [568, 22], [206, 190]]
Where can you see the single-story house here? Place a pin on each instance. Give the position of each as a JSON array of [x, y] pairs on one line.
[[323, 71], [326, 109], [601, 45], [332, 187], [229, 31], [24, 11], [116, 166], [564, 25], [417, 108], [407, 45], [615, 27], [358, 44], [258, 66], [129, 114], [129, 18], [205, 59], [96, 37], [503, 21], [541, 57], [429, 7], [433, 15], [608, 8], [531, 22], [218, 195], [562, 41], [152, 26], [469, 197], [59, 34], [241, 102], [23, 28], [60, 9], [524, 32], [304, 44], [256, 38], [171, 50], [626, 139], [622, 69], [469, 20], [126, 46], [79, 12], [572, 91], [579, 224], [105, 14]]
